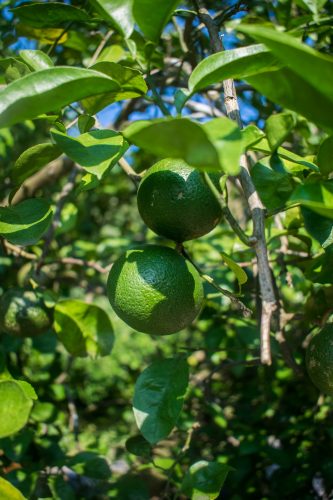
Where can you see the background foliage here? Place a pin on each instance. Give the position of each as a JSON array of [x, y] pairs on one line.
[[73, 212]]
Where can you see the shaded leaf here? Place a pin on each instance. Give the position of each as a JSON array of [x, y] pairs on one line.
[[236, 63], [84, 329], [131, 84], [137, 445], [15, 407], [32, 160], [42, 15], [36, 59], [278, 127], [311, 65], [325, 156], [204, 480], [152, 19], [118, 13], [214, 145], [85, 123], [286, 88], [26, 222], [319, 227], [316, 196], [274, 188], [50, 89], [158, 397]]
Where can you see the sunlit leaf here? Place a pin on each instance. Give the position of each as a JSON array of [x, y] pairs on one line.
[[152, 18], [15, 407], [237, 63], [214, 145], [48, 90], [118, 13], [84, 329]]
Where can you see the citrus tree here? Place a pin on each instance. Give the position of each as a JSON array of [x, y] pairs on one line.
[[166, 249]]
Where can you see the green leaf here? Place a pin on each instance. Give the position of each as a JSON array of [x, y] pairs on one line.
[[137, 445], [236, 63], [278, 127], [85, 123], [239, 271], [325, 156], [152, 18], [84, 329], [13, 69], [36, 59], [314, 6], [251, 135], [158, 397], [273, 187], [316, 196], [118, 13], [42, 15], [204, 480], [43, 35], [99, 148], [48, 90], [264, 147], [286, 88], [32, 160], [311, 65], [304, 86], [130, 80], [26, 222], [214, 145], [319, 227], [114, 53], [15, 407], [9, 492]]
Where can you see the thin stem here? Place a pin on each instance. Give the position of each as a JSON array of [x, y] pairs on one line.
[[235, 300], [247, 240], [136, 178]]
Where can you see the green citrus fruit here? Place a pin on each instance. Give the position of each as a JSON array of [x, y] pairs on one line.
[[23, 313], [175, 202], [319, 359], [155, 290]]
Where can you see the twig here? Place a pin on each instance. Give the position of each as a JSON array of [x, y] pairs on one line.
[[57, 40], [247, 240], [19, 252], [179, 457], [100, 47], [136, 178], [83, 263], [268, 299], [235, 300]]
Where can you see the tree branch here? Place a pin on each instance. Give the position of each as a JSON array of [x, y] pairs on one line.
[[268, 300]]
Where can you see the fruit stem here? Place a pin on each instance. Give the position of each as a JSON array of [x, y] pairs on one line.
[[245, 310], [247, 240]]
